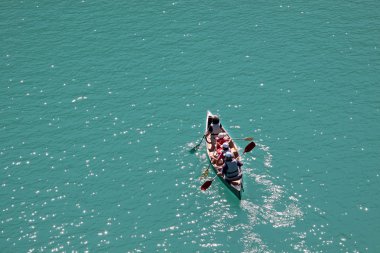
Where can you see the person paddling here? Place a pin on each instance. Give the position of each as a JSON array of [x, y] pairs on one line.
[[214, 129], [231, 169]]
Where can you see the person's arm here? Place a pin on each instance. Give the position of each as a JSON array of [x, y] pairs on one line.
[[224, 169], [209, 131], [220, 156]]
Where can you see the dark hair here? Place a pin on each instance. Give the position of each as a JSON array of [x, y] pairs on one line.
[[215, 119]]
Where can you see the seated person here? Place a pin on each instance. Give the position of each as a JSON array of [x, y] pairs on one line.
[[222, 138], [213, 130], [231, 169], [219, 159]]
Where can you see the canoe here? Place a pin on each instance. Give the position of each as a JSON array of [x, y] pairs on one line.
[[236, 187]]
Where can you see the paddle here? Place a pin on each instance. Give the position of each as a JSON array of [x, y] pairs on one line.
[[208, 183], [205, 172], [246, 138], [197, 146], [249, 147]]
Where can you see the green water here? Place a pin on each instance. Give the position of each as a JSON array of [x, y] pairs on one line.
[[100, 103]]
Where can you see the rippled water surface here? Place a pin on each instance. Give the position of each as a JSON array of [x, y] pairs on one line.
[[101, 103]]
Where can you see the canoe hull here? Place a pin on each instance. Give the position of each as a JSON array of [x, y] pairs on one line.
[[235, 189]]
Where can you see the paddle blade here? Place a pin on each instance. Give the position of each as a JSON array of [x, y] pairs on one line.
[[204, 174], [248, 139], [249, 147], [193, 149], [197, 146], [206, 185]]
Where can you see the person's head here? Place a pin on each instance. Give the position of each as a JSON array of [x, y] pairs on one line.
[[215, 119], [223, 137], [225, 146], [229, 156]]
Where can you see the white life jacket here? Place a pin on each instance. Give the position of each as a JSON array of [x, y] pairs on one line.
[[216, 129], [232, 169]]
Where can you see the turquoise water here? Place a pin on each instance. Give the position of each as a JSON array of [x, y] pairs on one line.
[[100, 103]]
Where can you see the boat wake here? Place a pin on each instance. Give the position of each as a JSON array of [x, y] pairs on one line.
[[271, 204]]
